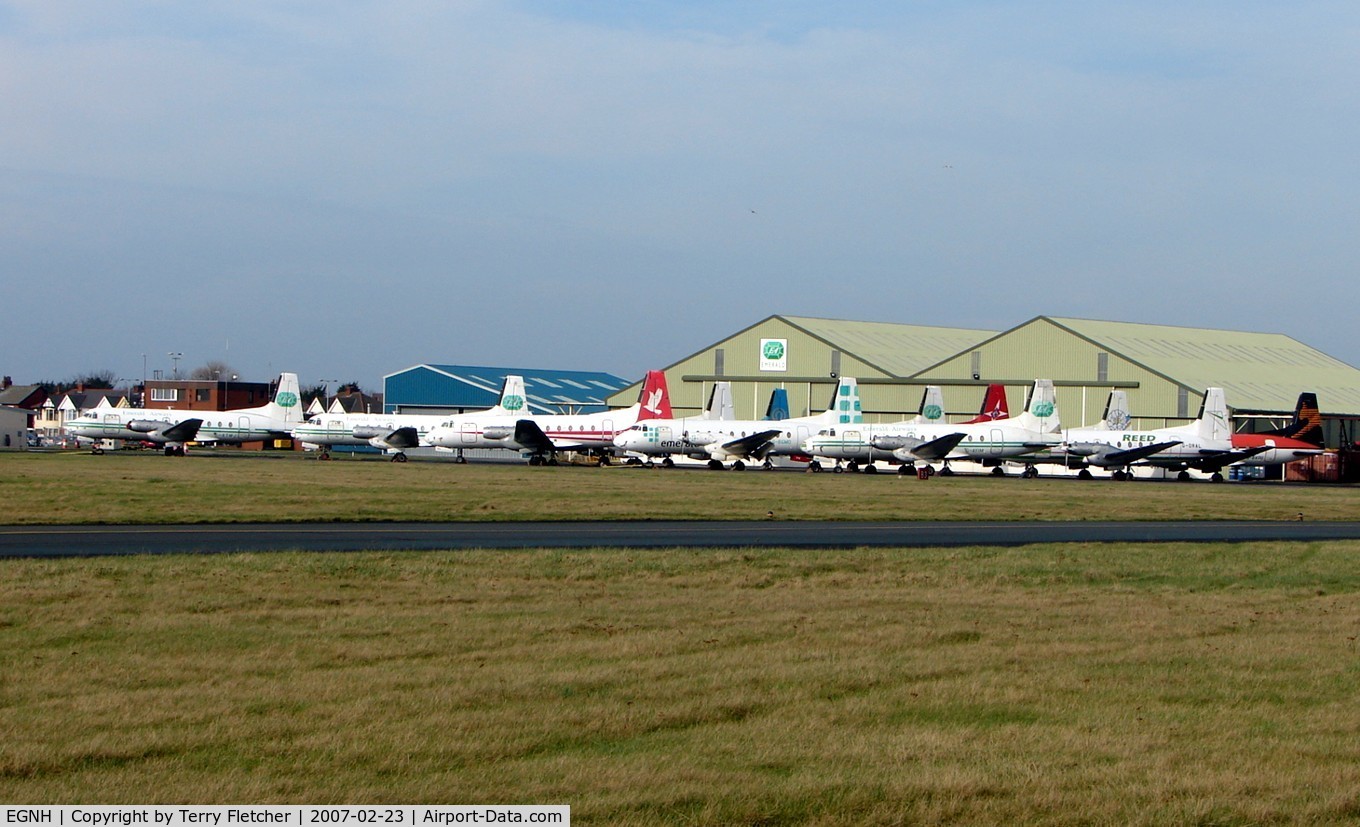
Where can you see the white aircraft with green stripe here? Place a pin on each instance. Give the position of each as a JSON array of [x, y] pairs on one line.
[[397, 432], [922, 438], [738, 441], [174, 428]]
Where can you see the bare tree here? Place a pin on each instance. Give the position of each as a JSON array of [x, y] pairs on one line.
[[93, 379], [213, 371]]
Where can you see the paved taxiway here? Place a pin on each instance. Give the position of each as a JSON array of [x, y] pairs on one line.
[[80, 541]]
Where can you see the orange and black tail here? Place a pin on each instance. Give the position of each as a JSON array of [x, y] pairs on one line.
[[1307, 424]]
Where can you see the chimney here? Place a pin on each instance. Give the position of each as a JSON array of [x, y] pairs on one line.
[[7, 382]]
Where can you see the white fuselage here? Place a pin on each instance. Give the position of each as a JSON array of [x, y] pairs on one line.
[[703, 438], [567, 431], [362, 428], [1092, 443], [982, 441], [246, 425]]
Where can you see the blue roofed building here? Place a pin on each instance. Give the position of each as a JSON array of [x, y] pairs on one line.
[[460, 388]]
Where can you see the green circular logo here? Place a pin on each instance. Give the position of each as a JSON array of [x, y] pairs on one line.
[[932, 412], [774, 350], [513, 402], [287, 399]]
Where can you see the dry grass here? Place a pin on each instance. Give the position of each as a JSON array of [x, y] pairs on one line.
[[1048, 684], [231, 487]]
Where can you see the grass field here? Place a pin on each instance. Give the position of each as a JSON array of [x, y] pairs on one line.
[[127, 487], [1040, 685]]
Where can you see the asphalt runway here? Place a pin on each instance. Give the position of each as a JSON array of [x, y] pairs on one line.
[[91, 541]]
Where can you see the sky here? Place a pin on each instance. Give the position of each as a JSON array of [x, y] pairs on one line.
[[344, 189]]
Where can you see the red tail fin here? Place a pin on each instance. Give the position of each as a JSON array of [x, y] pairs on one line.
[[993, 406], [655, 399]]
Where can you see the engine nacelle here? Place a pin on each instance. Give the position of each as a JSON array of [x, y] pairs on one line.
[[498, 432], [1085, 449], [144, 426], [370, 432], [892, 443]]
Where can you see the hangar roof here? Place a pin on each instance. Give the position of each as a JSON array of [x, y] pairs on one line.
[[1256, 370], [898, 349], [467, 386]]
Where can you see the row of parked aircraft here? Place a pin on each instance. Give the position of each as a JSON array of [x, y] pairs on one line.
[[648, 432]]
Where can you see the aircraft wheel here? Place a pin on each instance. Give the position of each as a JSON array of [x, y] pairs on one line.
[[324, 456], [768, 464], [1216, 478], [870, 469], [1183, 476], [838, 470], [551, 461], [604, 459], [715, 465], [1118, 476], [667, 463], [169, 451], [1029, 473], [399, 457], [852, 466], [738, 466], [535, 459], [903, 470], [998, 471], [97, 451], [462, 460], [946, 471], [1084, 474]]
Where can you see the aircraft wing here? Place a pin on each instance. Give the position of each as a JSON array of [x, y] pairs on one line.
[[937, 448], [404, 437], [747, 445], [1132, 455], [529, 435], [182, 431], [1218, 460]]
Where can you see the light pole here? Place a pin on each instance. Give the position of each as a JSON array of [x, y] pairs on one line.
[[175, 356], [325, 393]]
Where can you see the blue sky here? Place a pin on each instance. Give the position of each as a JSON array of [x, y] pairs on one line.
[[344, 189]]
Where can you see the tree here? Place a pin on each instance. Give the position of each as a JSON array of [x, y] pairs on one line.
[[94, 379], [313, 392], [215, 371]]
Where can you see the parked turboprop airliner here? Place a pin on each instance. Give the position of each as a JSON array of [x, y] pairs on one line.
[[542, 436], [1205, 444], [912, 440], [398, 432], [173, 428], [737, 440]]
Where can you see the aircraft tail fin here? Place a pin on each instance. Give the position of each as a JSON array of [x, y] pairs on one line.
[[287, 402], [655, 397], [993, 406], [514, 399], [779, 405], [845, 406], [1041, 414], [1213, 415], [720, 404], [1116, 416], [1307, 422], [932, 406]]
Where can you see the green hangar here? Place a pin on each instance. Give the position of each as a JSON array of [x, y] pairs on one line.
[[1163, 369]]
